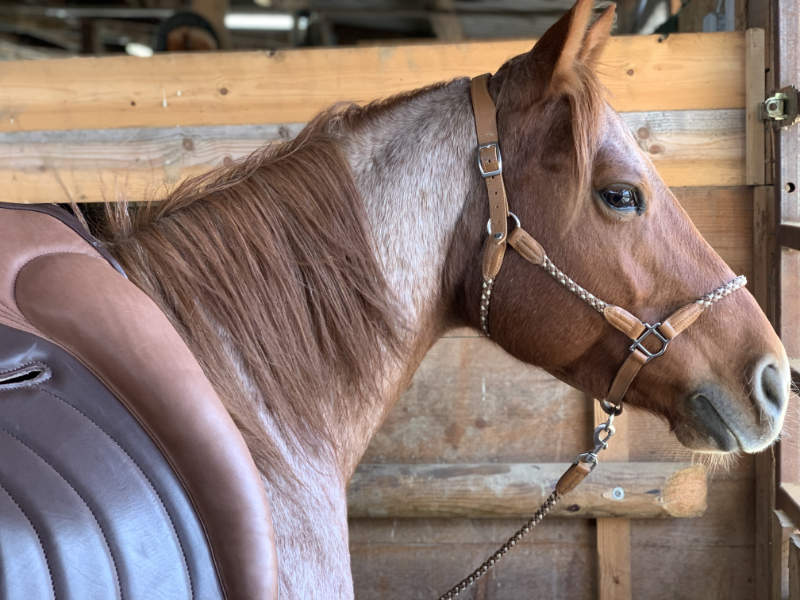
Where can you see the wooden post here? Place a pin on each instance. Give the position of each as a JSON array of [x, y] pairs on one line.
[[794, 567], [781, 530], [754, 95], [764, 536], [614, 535]]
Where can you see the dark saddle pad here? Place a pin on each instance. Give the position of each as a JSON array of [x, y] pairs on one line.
[[121, 473]]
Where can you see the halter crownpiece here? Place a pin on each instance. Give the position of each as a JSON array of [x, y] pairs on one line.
[[490, 165]]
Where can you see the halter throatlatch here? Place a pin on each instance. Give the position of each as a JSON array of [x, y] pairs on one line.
[[658, 335]]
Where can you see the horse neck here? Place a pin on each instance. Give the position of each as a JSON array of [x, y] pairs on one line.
[[412, 159]]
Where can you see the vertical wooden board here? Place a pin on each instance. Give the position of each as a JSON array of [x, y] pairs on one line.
[[765, 504], [794, 567], [763, 247], [790, 301], [781, 530], [420, 559], [614, 535], [754, 94]]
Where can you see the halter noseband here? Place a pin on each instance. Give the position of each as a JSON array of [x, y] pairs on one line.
[[490, 164]]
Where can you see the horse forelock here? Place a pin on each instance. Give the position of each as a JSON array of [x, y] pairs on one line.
[[268, 271]]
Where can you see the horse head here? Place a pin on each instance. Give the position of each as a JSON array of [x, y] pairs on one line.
[[578, 182]]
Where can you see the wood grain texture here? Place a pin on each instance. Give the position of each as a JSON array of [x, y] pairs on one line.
[[470, 401], [614, 534], [690, 148], [755, 92], [681, 72], [672, 559], [502, 490], [418, 559], [794, 567], [781, 531]]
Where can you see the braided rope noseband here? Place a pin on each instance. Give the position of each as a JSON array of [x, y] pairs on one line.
[[490, 164]]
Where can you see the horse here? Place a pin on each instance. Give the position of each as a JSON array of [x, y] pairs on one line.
[[310, 279]]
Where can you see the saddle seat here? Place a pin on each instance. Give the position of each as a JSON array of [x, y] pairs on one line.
[[122, 475]]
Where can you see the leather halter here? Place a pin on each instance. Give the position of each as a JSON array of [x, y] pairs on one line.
[[490, 164]]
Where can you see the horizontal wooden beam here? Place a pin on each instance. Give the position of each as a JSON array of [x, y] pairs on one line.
[[515, 490], [689, 148], [789, 236], [680, 72]]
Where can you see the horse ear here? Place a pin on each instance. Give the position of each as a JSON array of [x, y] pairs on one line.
[[568, 42], [597, 37]]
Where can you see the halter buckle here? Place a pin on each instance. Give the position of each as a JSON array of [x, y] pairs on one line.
[[498, 156], [650, 329]]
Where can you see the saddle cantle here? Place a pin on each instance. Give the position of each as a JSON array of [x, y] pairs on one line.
[[121, 473]]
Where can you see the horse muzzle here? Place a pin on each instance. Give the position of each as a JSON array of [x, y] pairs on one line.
[[715, 420]]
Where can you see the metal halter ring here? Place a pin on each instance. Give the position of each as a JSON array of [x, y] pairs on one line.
[[611, 409], [648, 330], [514, 217]]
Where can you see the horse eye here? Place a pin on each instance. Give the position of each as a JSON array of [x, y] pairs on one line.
[[623, 198]]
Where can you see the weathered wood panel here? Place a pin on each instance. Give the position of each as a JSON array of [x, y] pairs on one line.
[[681, 72], [690, 148], [401, 559], [502, 490], [676, 559]]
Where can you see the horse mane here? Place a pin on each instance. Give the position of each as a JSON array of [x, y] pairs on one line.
[[267, 270]]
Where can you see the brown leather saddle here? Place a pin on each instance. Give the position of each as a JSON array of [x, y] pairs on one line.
[[121, 473]]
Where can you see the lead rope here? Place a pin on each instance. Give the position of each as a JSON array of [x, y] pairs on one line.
[[583, 465]]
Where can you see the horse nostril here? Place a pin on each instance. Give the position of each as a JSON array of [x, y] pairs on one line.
[[771, 392]]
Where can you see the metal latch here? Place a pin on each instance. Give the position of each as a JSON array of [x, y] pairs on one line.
[[782, 107]]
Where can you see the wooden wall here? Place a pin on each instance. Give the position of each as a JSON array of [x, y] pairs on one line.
[[93, 129]]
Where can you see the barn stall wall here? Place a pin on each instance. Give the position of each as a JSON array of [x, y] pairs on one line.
[[478, 438]]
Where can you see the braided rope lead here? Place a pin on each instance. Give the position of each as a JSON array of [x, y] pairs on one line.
[[490, 562]]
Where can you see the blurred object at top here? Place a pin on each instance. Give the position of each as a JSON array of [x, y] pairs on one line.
[[50, 28]]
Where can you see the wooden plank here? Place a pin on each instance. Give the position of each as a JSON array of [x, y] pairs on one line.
[[763, 246], [794, 567], [781, 531], [470, 400], [725, 218], [681, 72], [693, 148], [764, 507], [400, 559], [500, 490], [754, 96], [689, 148], [614, 535], [709, 557]]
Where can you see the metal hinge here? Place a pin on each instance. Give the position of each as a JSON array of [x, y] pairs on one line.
[[782, 107]]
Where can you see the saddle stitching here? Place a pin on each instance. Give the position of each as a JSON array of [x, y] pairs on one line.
[[144, 475], [38, 538], [82, 499]]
